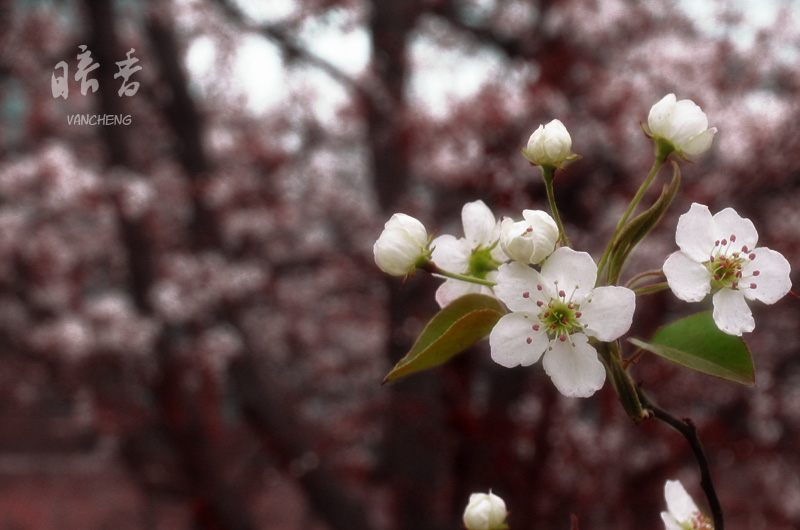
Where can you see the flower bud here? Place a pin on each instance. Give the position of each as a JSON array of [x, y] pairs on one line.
[[485, 512], [401, 246], [529, 241], [681, 124], [549, 145]]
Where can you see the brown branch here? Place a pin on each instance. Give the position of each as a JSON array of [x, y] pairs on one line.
[[688, 430]]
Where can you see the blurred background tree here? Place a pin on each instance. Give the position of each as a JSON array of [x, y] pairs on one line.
[[192, 328]]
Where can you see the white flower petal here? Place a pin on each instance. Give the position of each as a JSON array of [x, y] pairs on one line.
[[575, 369], [660, 116], [688, 120], [451, 254], [773, 281], [669, 522], [731, 313], [479, 224], [513, 280], [700, 143], [696, 233], [690, 281], [679, 503], [610, 312], [412, 226], [727, 222], [570, 269], [452, 289], [509, 341]]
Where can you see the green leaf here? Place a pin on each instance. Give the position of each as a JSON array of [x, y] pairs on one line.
[[640, 226], [697, 343], [452, 330]]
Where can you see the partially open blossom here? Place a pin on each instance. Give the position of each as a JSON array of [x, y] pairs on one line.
[[477, 254], [682, 513], [554, 312], [550, 145], [531, 240], [401, 246], [681, 124], [485, 512], [717, 254]]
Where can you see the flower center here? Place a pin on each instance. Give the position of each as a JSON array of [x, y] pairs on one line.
[[559, 317], [698, 522], [725, 266], [481, 262]]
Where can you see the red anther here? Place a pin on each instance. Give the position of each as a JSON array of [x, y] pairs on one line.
[[564, 320], [753, 286], [578, 314], [716, 243], [536, 327], [529, 340], [539, 303], [553, 326], [733, 238], [546, 314], [538, 287], [562, 294], [734, 285], [571, 306], [724, 242], [744, 248], [752, 256], [756, 273], [529, 229], [712, 259], [716, 277], [526, 294], [562, 338], [739, 274]]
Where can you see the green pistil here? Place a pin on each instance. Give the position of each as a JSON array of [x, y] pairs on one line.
[[726, 271], [560, 319], [481, 263]]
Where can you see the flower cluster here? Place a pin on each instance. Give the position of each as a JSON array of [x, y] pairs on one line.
[[560, 306], [520, 282]]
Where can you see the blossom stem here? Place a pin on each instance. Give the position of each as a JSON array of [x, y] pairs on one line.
[[650, 289], [642, 275], [547, 173], [432, 268], [688, 430], [621, 380], [660, 157]]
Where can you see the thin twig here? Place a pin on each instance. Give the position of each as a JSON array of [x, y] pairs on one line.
[[687, 429]]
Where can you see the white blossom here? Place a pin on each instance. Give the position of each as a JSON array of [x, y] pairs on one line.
[[682, 513], [554, 312], [681, 123], [718, 254], [476, 254], [531, 240], [485, 512], [549, 145], [401, 245]]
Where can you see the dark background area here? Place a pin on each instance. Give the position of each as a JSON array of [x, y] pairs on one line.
[[192, 328]]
